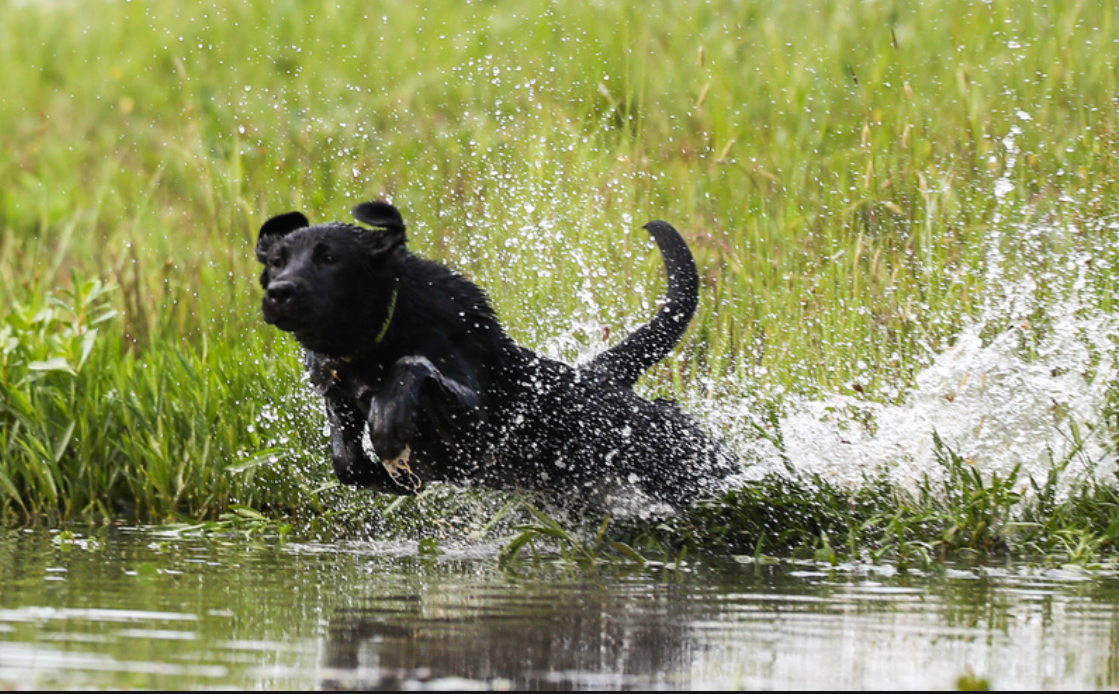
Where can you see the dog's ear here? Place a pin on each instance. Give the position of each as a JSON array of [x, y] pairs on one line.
[[387, 220], [276, 228], [379, 214]]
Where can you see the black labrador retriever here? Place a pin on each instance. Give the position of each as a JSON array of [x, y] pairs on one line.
[[421, 383]]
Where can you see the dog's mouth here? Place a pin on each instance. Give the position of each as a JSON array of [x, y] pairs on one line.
[[305, 325], [279, 315], [289, 318]]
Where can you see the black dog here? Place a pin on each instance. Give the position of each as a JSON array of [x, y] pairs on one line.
[[421, 382]]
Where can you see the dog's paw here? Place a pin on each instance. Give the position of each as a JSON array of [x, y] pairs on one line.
[[401, 472]]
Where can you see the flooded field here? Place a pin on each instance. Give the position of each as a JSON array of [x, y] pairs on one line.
[[134, 608]]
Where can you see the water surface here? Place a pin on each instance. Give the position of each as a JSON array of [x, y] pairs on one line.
[[138, 609]]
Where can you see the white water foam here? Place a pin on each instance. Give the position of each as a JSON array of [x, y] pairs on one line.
[[988, 402], [1006, 393]]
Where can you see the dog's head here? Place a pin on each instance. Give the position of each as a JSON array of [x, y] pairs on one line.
[[332, 285]]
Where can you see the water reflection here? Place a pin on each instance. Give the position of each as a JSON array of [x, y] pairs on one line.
[[571, 636], [135, 609]]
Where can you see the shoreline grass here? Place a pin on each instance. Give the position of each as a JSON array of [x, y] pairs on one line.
[[843, 170]]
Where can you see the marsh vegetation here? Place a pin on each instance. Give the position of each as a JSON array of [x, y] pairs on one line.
[[903, 214]]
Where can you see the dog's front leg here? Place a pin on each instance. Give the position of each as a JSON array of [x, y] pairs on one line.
[[416, 386], [351, 464]]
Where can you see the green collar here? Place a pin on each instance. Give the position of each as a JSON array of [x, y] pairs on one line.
[[388, 317]]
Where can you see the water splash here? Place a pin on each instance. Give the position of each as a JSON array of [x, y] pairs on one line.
[[992, 404], [1006, 393]]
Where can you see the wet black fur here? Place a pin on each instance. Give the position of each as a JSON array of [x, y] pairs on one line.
[[412, 351]]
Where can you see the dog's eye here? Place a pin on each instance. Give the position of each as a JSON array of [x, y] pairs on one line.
[[325, 256], [277, 262]]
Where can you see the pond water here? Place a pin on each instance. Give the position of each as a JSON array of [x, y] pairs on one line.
[[134, 608]]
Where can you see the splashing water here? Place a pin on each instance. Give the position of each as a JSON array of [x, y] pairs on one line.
[[991, 400], [988, 402]]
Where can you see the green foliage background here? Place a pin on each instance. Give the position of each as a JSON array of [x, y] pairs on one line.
[[833, 164]]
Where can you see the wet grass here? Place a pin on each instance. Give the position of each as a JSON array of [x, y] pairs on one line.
[[956, 512], [91, 428], [835, 165]]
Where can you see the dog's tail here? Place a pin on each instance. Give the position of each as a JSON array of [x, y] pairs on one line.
[[652, 342]]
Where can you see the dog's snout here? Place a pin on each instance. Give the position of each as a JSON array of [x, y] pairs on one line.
[[282, 292], [281, 305]]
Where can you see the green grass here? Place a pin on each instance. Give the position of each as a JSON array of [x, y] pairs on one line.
[[94, 427], [956, 513], [833, 165]]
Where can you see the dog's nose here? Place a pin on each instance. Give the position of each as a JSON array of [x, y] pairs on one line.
[[281, 292]]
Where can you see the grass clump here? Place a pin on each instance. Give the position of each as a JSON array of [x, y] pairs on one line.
[[571, 545], [91, 427], [954, 512]]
